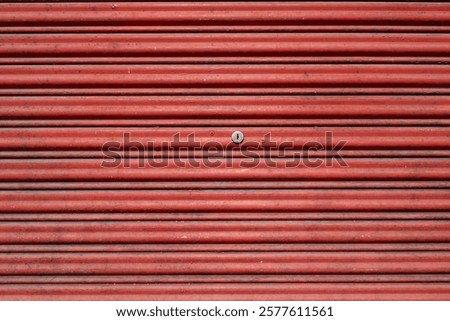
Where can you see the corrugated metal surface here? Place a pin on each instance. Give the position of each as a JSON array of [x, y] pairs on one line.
[[76, 75]]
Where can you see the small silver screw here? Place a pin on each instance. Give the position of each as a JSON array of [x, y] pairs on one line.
[[237, 137]]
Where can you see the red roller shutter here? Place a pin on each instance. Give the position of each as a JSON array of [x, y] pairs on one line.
[[370, 78]]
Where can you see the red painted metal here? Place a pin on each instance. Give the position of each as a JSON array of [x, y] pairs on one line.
[[225, 216], [225, 232], [220, 263], [93, 138], [235, 247], [88, 170], [230, 291], [82, 111], [223, 16], [224, 79], [227, 201], [234, 278], [224, 47], [77, 74]]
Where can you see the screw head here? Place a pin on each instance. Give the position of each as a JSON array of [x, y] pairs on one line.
[[237, 137]]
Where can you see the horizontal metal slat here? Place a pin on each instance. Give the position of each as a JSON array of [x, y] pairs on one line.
[[77, 75], [208, 279], [224, 47], [222, 110], [86, 170], [220, 215], [93, 138], [35, 154], [158, 185], [213, 107], [238, 173], [220, 291], [221, 247], [198, 232], [221, 79], [225, 122], [226, 201], [220, 16], [225, 263]]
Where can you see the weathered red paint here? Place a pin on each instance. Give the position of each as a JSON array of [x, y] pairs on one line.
[[224, 47], [75, 75], [224, 79], [170, 201], [225, 232], [273, 110], [230, 291], [357, 138], [223, 16], [224, 263]]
